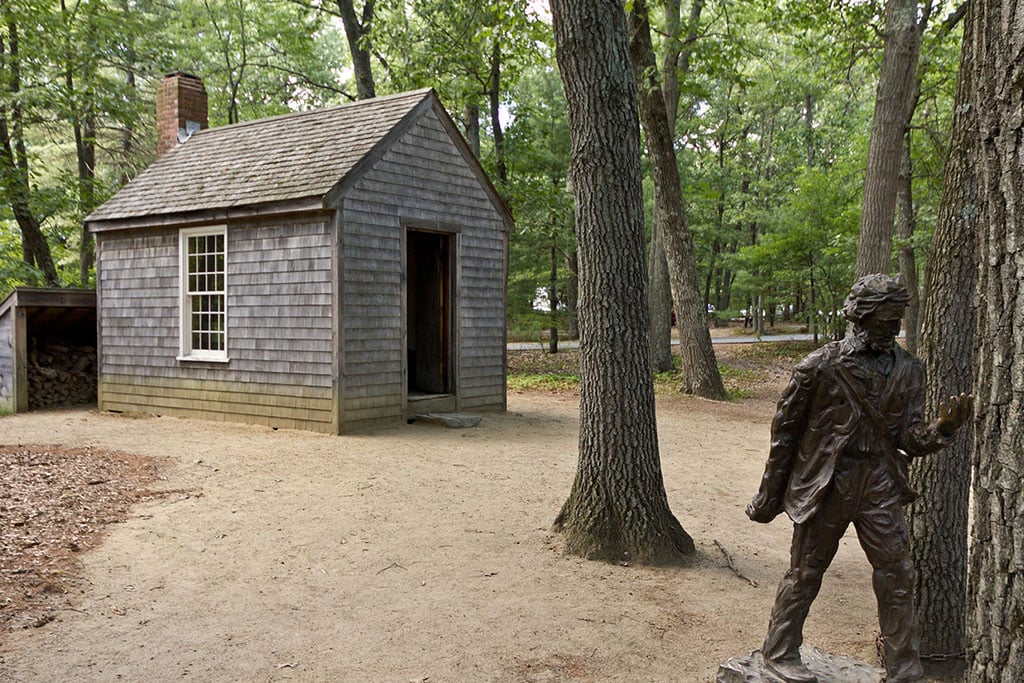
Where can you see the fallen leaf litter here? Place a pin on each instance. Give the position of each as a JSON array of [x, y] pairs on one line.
[[55, 503]]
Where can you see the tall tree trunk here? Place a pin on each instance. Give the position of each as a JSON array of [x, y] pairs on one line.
[[995, 597], [809, 142], [905, 223], [617, 508], [357, 33], [471, 123], [85, 143], [709, 276], [938, 520], [657, 264], [553, 299], [14, 169], [83, 125], [891, 117], [571, 294], [675, 63], [494, 96], [128, 132], [813, 311], [660, 304], [700, 370]]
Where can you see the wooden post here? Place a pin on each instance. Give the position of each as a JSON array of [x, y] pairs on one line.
[[20, 389]]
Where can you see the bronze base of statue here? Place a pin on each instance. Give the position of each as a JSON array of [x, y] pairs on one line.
[[826, 668]]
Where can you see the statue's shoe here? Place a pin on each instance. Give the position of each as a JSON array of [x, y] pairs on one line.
[[790, 670]]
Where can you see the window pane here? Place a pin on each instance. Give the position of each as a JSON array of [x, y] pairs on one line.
[[206, 281]]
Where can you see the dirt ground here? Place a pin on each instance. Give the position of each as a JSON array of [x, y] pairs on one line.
[[416, 553]]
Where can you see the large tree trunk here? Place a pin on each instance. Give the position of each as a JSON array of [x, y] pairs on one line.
[[618, 508], [357, 33], [995, 599], [938, 521], [700, 370], [892, 114]]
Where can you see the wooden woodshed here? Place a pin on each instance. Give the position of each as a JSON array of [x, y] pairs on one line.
[[324, 270], [47, 348]]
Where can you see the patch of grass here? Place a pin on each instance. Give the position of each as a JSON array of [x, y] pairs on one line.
[[554, 381], [540, 362], [730, 372], [667, 383], [773, 351], [748, 370], [736, 393]]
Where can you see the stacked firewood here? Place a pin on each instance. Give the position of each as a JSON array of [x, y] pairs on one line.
[[61, 375]]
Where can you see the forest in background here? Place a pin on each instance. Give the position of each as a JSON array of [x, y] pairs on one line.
[[773, 110]]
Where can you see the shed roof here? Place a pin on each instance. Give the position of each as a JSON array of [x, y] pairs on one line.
[[278, 159]]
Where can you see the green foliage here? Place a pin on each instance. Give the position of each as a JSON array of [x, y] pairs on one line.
[[538, 161], [772, 126], [14, 272], [256, 58], [810, 247], [458, 49]]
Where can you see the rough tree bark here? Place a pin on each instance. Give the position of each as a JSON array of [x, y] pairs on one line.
[[357, 31], [471, 126], [995, 598], [700, 369], [938, 520], [617, 508], [892, 114]]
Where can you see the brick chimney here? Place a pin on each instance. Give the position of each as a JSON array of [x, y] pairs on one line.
[[180, 110]]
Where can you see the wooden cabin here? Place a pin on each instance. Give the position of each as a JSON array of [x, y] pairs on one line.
[[324, 270]]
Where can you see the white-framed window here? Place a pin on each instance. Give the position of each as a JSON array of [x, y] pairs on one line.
[[204, 315]]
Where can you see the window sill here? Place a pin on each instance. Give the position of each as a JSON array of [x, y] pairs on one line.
[[201, 359]]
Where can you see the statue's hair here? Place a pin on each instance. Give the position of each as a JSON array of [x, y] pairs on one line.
[[870, 292]]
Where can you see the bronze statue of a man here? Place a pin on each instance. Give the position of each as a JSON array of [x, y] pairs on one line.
[[845, 428]]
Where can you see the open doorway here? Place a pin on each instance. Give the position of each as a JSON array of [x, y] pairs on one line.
[[428, 312]]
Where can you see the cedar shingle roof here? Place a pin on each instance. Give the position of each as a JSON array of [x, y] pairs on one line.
[[288, 157]]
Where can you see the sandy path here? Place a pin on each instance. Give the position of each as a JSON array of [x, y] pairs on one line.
[[418, 553]]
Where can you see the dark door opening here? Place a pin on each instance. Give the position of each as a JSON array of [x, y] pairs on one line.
[[428, 312]]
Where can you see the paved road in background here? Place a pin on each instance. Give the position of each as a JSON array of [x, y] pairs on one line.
[[743, 339]]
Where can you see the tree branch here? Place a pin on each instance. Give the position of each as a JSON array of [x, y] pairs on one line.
[[951, 21]]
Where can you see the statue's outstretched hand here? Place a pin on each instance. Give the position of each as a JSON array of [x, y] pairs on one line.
[[954, 413]]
